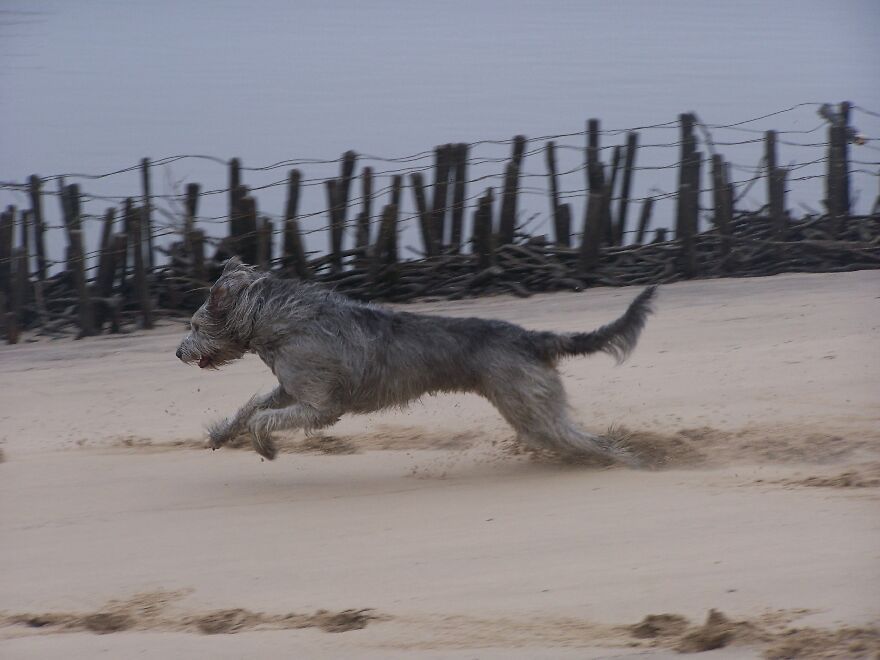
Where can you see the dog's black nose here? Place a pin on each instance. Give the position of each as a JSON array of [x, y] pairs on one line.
[[179, 354]]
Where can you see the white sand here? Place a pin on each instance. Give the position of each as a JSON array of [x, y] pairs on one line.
[[464, 551]]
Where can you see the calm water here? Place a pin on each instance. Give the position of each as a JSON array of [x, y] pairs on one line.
[[94, 85]]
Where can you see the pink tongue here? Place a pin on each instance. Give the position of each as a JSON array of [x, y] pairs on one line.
[[204, 361]]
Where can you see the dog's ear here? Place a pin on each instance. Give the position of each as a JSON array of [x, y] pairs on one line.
[[220, 296]]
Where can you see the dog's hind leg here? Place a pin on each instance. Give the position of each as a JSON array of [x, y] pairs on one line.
[[296, 416], [532, 400], [219, 433]]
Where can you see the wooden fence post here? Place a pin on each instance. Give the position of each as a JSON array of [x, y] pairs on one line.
[[6, 242], [837, 197], [563, 229], [247, 239], [440, 193], [687, 207], [294, 254], [644, 219], [147, 224], [35, 185], [385, 250], [140, 274], [507, 220], [362, 236], [106, 266], [688, 145], [333, 224], [562, 237], [76, 260], [610, 229], [264, 243], [595, 175], [780, 217], [722, 219], [426, 220], [482, 231], [26, 216], [591, 238], [15, 317], [128, 229], [632, 143], [843, 168], [349, 159], [337, 207], [234, 199], [191, 206], [459, 193]]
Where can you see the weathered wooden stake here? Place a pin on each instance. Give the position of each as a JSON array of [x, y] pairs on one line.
[[563, 229], [264, 243], [140, 274], [721, 204], [688, 146], [610, 229], [561, 237], [385, 250], [482, 230], [70, 205], [247, 239], [426, 219], [689, 211], [35, 185], [6, 242], [591, 239], [331, 186], [507, 221], [459, 193], [595, 173], [127, 222], [632, 143], [197, 247], [147, 225], [362, 237], [27, 219], [440, 192], [15, 317], [780, 217], [106, 266], [644, 219], [191, 206], [294, 254], [235, 195], [837, 199]]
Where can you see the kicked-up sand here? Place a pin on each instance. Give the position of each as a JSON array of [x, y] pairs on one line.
[[753, 530]]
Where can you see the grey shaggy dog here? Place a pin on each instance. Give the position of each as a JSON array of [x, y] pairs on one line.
[[333, 355]]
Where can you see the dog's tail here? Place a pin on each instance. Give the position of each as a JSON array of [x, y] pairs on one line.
[[618, 338]]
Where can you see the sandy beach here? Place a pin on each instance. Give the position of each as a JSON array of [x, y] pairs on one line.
[[754, 404]]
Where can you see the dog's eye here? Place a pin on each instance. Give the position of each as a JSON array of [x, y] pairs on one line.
[[195, 327]]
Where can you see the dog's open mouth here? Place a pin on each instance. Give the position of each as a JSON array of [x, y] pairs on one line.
[[205, 362]]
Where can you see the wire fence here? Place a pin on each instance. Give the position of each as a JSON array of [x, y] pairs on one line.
[[635, 170]]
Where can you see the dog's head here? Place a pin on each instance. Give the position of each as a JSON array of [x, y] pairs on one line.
[[215, 336]]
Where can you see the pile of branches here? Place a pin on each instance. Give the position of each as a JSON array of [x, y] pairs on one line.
[[533, 265], [529, 265]]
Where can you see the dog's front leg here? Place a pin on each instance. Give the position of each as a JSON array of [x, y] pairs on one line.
[[223, 431], [296, 416]]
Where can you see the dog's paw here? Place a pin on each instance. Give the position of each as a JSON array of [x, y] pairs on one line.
[[218, 435], [260, 437]]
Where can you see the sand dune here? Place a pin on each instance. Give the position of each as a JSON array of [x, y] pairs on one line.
[[753, 405]]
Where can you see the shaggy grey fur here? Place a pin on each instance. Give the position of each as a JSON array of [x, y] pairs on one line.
[[333, 355]]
